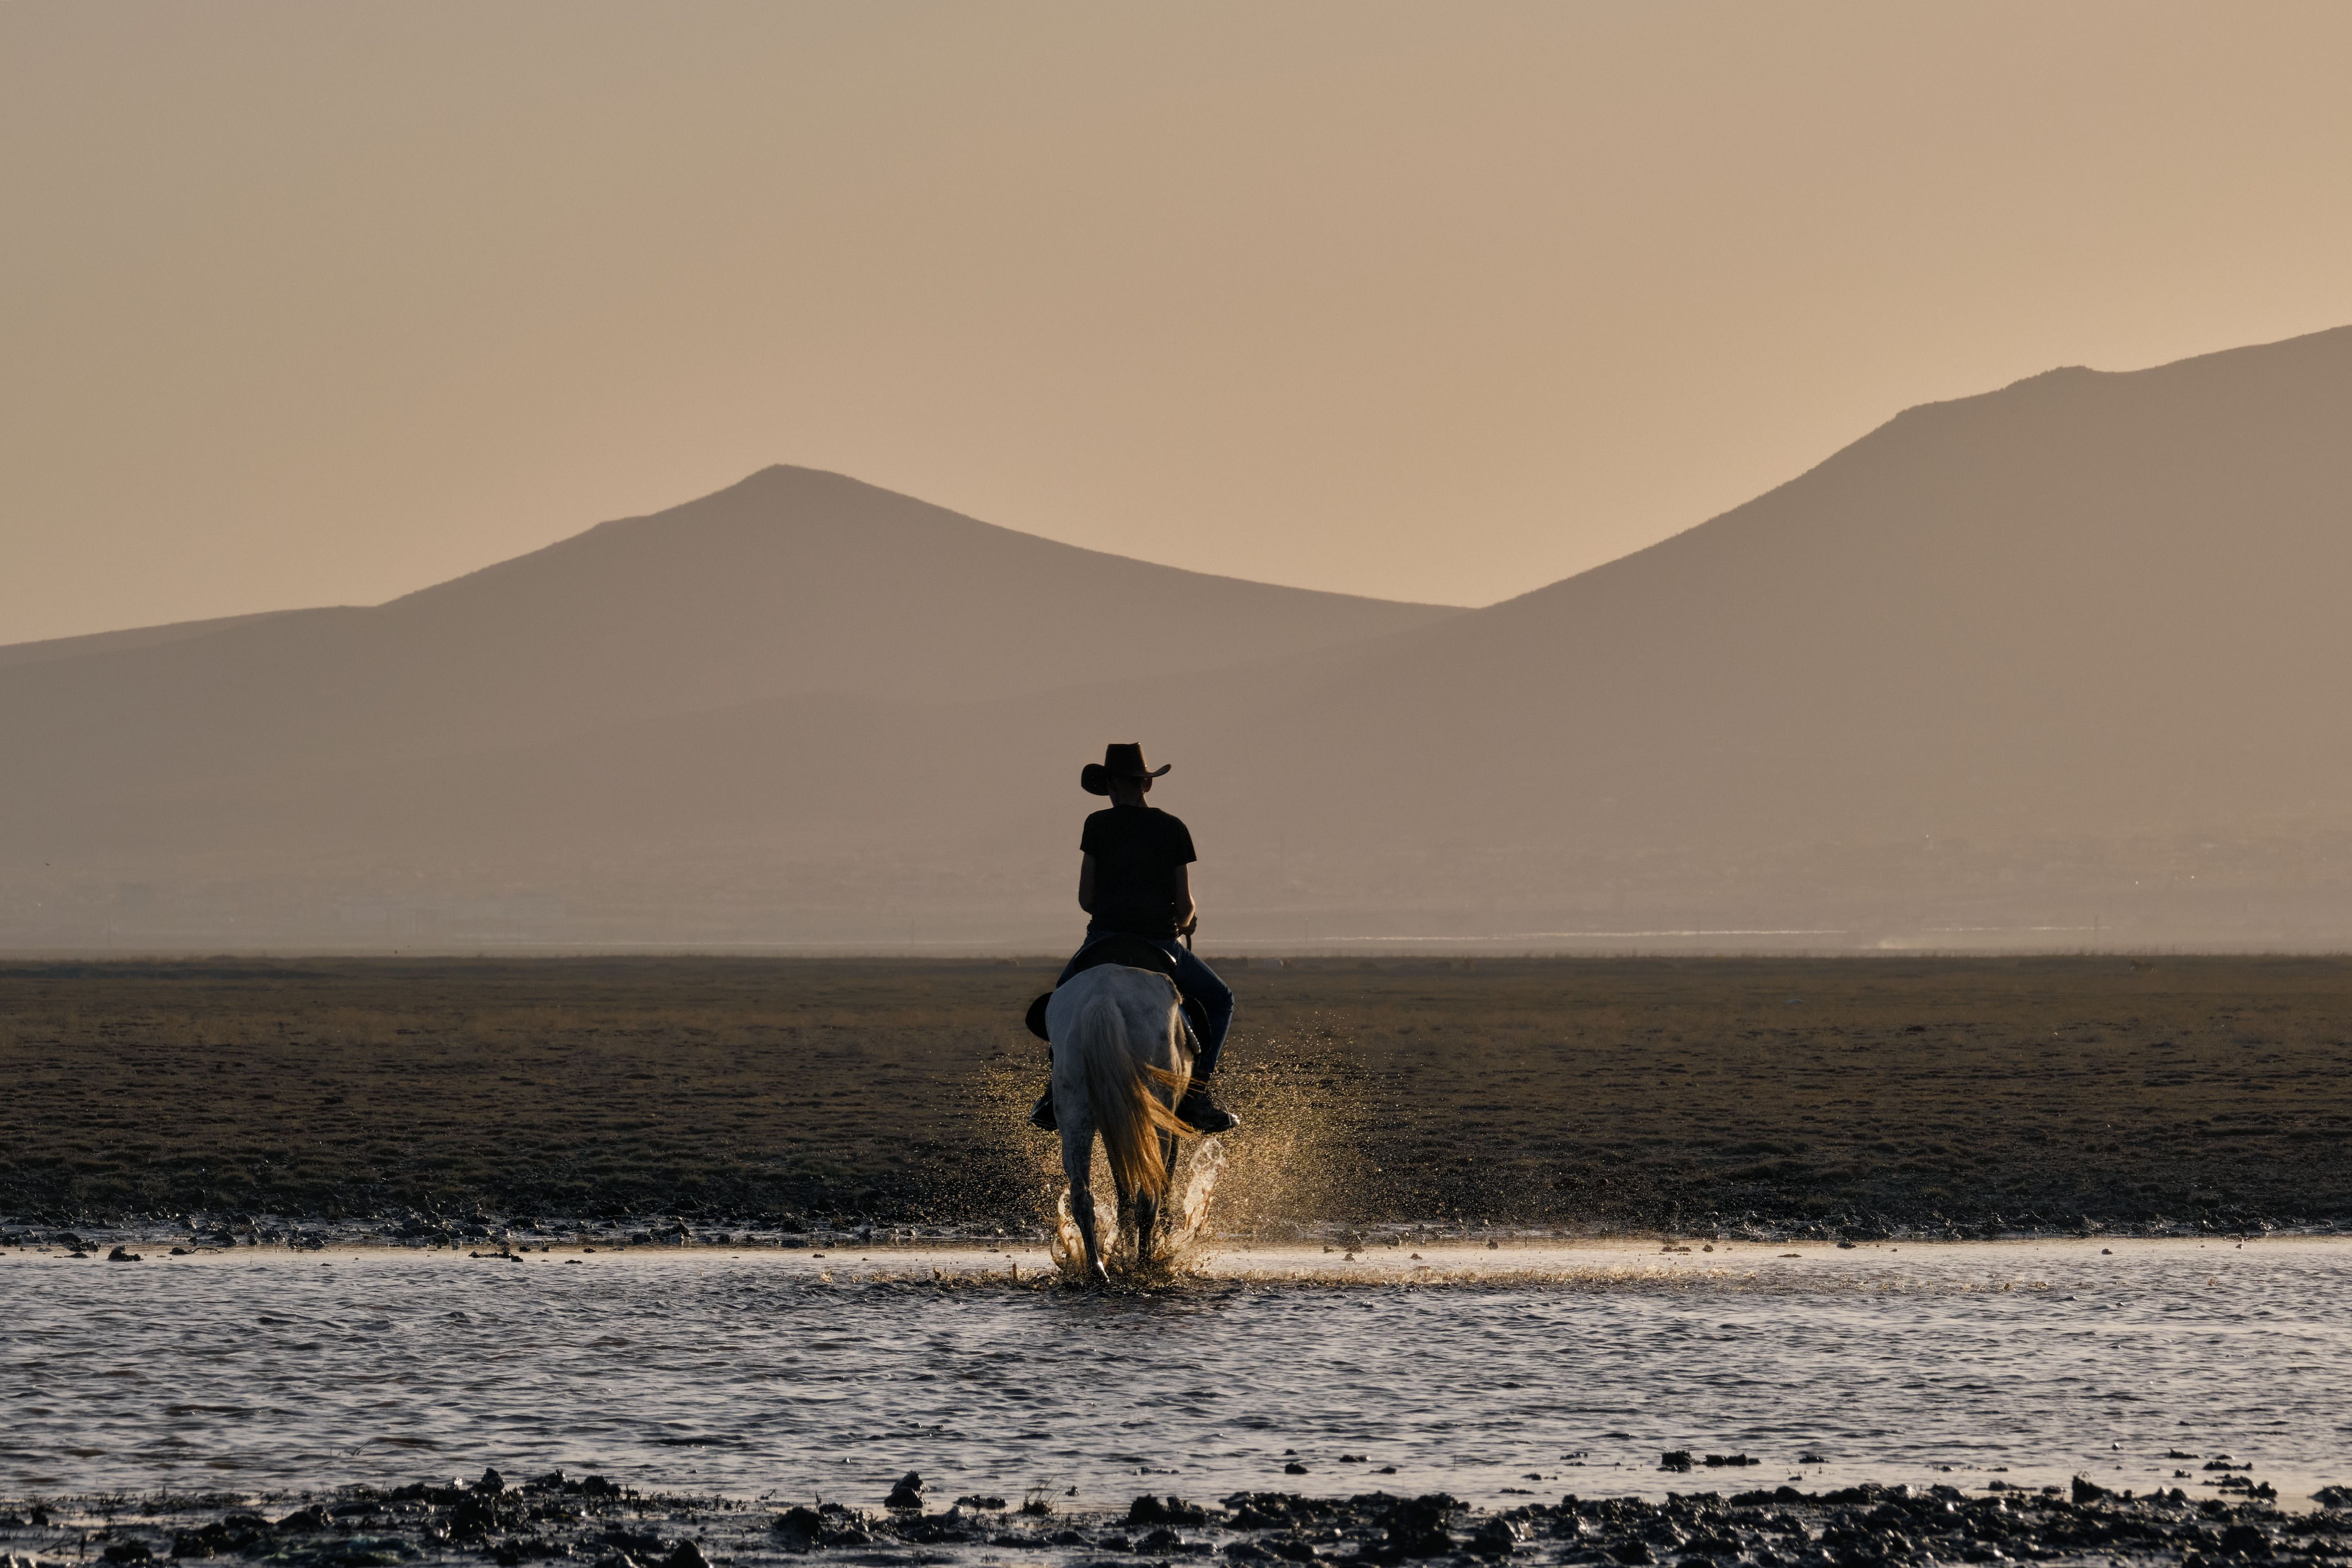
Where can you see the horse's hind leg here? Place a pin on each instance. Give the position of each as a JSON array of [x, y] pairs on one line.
[[1150, 1209], [1147, 1227], [1078, 1165], [1125, 1198]]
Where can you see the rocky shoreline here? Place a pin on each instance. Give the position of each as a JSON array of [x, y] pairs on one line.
[[594, 1522]]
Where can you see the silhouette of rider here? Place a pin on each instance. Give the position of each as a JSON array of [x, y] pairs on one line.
[[1133, 881]]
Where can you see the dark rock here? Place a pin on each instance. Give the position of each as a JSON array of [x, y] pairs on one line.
[[120, 1255], [476, 1514], [1151, 1509], [2088, 1491], [1495, 1538], [303, 1519], [907, 1494], [843, 1527], [128, 1551], [641, 1545], [1294, 1468], [929, 1529], [1718, 1460], [1416, 1526], [798, 1529], [1632, 1551], [686, 1554], [985, 1504], [2247, 1539], [241, 1532], [491, 1483], [1677, 1459]]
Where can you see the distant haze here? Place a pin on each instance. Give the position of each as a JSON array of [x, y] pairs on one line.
[[2060, 664], [326, 304]]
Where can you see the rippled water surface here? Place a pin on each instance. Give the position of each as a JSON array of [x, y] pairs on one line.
[[1549, 1370]]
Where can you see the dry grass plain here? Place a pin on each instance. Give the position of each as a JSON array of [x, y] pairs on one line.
[[1659, 1094]]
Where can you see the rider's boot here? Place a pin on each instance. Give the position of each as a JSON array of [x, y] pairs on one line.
[[1040, 1115], [1200, 1113]]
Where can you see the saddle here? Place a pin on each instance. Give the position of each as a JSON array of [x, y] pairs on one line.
[[1131, 952]]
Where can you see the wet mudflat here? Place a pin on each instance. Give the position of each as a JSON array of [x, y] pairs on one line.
[[1504, 1377], [1851, 1097]]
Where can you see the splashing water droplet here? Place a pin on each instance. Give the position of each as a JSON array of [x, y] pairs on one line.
[[1201, 1171], [1068, 1248]]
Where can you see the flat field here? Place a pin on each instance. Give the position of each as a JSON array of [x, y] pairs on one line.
[[1685, 1095]]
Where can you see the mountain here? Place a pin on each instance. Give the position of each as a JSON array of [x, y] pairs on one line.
[[793, 583], [2057, 664], [2090, 617], [52, 650], [2084, 603]]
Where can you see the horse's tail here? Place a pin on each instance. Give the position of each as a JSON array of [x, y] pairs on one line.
[[1118, 1081]]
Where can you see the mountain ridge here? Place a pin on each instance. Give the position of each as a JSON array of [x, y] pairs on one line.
[[2002, 658], [791, 579]]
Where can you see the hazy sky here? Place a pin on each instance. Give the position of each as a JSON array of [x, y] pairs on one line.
[[313, 303]]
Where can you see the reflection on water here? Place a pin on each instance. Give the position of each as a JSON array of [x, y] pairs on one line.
[[1485, 1374]]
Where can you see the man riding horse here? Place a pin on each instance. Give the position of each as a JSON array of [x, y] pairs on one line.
[[1133, 882]]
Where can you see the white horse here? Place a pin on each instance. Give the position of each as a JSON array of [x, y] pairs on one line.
[[1122, 1057]]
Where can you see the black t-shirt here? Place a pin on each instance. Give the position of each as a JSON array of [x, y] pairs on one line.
[[1138, 851]]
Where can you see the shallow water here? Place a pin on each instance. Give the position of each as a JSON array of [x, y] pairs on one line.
[[1538, 1368]]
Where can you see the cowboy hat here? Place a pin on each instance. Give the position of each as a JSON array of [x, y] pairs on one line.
[[1121, 760]]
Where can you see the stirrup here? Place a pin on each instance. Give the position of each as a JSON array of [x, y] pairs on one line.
[[1040, 1115], [1203, 1115]]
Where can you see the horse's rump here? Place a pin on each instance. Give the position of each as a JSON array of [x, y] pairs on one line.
[[1128, 952], [1118, 1072]]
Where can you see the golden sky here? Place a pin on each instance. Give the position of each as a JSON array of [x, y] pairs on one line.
[[322, 303]]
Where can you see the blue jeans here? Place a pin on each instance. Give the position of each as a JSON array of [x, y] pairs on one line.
[[1196, 980]]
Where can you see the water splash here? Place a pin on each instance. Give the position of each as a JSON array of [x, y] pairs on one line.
[[1299, 1165], [1067, 1247], [1201, 1172], [1187, 1218]]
